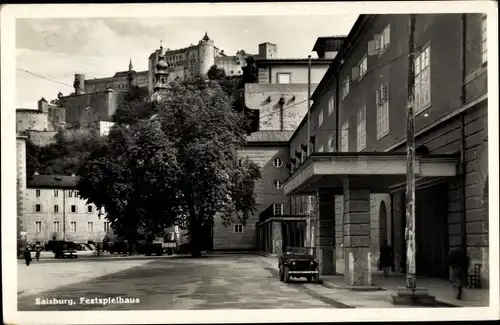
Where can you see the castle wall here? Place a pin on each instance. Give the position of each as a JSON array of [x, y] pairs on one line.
[[101, 107], [27, 119]]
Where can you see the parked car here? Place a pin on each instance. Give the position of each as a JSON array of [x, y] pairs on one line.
[[64, 249], [297, 262]]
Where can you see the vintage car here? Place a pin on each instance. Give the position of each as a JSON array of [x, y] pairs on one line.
[[297, 262]]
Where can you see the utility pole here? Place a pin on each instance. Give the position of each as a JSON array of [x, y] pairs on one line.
[[410, 165], [308, 143], [409, 295]]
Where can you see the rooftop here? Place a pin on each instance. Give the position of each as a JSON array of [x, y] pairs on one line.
[[270, 136], [52, 181]]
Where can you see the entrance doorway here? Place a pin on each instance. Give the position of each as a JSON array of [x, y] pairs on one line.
[[431, 227]]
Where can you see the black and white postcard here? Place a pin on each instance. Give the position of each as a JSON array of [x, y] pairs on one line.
[[249, 162]]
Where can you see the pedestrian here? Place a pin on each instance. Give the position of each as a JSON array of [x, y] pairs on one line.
[[459, 263], [37, 255], [385, 259], [27, 256]]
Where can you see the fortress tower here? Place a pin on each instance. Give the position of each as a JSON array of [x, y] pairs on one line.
[[79, 84], [206, 50]]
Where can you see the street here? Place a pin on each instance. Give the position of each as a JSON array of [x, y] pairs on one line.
[[216, 281]]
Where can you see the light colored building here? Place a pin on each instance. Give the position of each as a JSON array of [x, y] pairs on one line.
[[53, 210]]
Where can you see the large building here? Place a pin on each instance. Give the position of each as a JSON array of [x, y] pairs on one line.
[[351, 160], [196, 59]]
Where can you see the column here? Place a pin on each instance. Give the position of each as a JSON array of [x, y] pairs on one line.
[[325, 231], [356, 235], [277, 238]]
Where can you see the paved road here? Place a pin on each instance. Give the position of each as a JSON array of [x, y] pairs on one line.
[[213, 282]]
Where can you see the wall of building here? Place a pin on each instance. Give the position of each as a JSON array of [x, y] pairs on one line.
[[47, 216], [21, 183], [27, 119], [266, 195], [102, 107], [294, 109], [231, 66], [298, 72]]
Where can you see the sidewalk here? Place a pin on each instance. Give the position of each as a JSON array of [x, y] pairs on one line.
[[441, 289]]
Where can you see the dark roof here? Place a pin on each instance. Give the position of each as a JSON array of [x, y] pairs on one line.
[[321, 41], [259, 61], [269, 136], [121, 74], [52, 181], [29, 110]]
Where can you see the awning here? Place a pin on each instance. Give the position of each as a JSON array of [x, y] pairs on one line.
[[376, 171]]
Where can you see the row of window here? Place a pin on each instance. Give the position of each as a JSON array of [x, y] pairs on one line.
[[56, 226], [56, 193], [73, 208]]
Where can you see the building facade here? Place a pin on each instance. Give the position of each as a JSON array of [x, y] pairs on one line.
[[354, 161], [269, 150], [280, 93], [53, 210]]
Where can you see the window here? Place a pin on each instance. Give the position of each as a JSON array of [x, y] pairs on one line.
[[361, 68], [331, 105], [381, 42], [70, 193], [38, 227], [382, 102], [38, 208], [106, 226], [90, 226], [320, 148], [55, 226], [344, 140], [72, 226], [76, 194], [278, 162], [73, 208], [277, 184], [284, 78], [331, 144], [484, 43], [89, 208], [345, 87], [278, 209], [361, 129], [238, 229], [422, 81], [56, 208], [37, 193], [320, 118]]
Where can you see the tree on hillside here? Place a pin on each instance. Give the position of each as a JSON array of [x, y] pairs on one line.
[[178, 167], [216, 73], [133, 106], [64, 157]]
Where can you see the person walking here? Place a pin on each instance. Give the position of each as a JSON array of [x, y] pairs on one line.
[[37, 254], [459, 264], [385, 260], [27, 256]]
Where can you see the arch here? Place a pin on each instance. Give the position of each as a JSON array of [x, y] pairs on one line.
[[382, 219]]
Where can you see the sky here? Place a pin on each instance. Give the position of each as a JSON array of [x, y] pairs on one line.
[[56, 49]]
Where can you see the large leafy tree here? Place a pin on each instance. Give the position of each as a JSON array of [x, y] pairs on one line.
[[178, 166]]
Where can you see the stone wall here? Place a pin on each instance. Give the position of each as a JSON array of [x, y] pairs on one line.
[[27, 119]]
